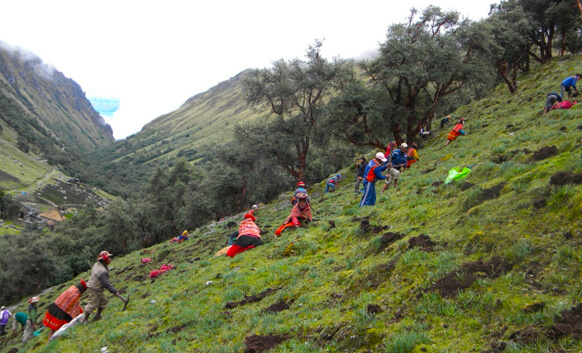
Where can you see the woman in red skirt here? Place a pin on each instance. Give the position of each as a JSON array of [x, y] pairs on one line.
[[65, 308]]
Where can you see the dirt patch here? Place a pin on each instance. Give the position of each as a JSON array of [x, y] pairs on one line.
[[532, 308], [374, 309], [564, 178], [251, 299], [13, 350], [388, 238], [426, 171], [545, 152], [569, 325], [525, 336], [331, 224], [492, 193], [499, 158], [466, 186], [422, 241], [372, 278], [463, 278], [256, 343], [366, 227], [438, 183], [539, 203], [278, 307], [173, 330]]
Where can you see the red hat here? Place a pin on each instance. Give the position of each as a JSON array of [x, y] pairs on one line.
[[84, 284], [300, 183], [104, 254], [250, 215]]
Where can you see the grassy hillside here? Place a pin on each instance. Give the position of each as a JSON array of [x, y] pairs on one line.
[[489, 264]]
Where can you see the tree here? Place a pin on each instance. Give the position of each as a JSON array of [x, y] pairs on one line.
[[295, 90], [506, 43], [422, 63], [548, 18]]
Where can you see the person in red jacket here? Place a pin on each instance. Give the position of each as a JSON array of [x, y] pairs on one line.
[[249, 236], [65, 308], [456, 131]]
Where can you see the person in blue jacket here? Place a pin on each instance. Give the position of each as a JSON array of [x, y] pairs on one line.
[[568, 84], [332, 183], [399, 161], [372, 173]]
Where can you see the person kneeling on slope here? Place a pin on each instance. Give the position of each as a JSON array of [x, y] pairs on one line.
[[456, 131], [301, 211], [249, 236], [65, 308]]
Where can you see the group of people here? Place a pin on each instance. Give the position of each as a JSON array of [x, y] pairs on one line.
[[67, 306], [555, 100]]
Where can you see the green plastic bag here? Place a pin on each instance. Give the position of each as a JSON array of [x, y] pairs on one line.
[[457, 174]]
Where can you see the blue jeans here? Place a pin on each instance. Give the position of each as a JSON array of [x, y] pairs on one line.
[[329, 186]]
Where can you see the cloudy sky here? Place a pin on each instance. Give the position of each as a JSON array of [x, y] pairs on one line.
[[149, 57]]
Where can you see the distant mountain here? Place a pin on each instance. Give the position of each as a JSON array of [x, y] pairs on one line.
[[45, 107], [203, 122], [47, 125]]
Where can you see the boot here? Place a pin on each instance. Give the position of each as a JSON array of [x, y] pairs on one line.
[[86, 318], [98, 315]]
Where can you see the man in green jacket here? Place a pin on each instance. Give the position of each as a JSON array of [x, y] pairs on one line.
[[31, 321], [98, 282]]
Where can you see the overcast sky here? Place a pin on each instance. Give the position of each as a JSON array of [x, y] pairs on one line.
[[152, 56]]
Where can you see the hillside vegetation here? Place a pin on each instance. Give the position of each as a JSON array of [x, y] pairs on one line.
[[488, 264]]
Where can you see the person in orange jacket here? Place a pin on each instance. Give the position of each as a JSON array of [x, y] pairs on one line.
[[456, 131]]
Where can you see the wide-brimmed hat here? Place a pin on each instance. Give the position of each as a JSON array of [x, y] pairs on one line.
[[33, 300], [104, 254]]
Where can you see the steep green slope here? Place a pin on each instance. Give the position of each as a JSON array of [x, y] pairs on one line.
[[489, 264]]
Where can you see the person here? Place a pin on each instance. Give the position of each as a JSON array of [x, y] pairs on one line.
[[5, 315], [445, 121], [568, 84], [183, 237], [411, 155], [372, 173], [397, 164], [249, 236], [301, 188], [424, 134], [391, 146], [19, 318], [31, 319], [332, 183], [360, 169], [301, 211], [567, 104], [98, 282], [551, 99], [456, 131], [65, 308]]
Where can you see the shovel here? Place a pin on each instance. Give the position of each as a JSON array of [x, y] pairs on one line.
[[127, 302]]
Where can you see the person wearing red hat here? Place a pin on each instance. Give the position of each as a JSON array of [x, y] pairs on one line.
[[301, 188], [98, 282], [249, 236], [65, 308]]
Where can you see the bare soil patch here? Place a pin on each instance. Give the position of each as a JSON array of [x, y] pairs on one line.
[[545, 152], [570, 324], [374, 309], [366, 227], [251, 299], [388, 238], [564, 178], [256, 343], [463, 278], [422, 241], [278, 307]]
